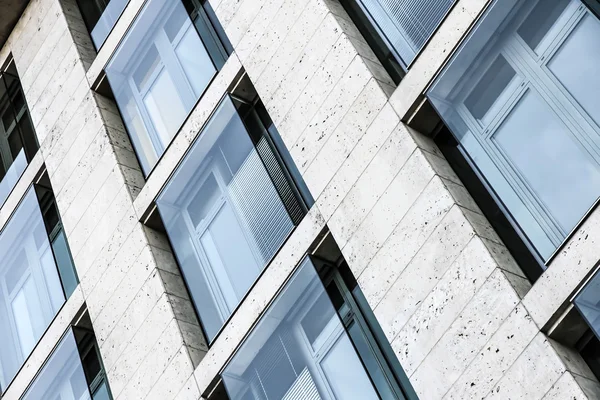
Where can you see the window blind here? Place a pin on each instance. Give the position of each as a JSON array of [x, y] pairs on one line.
[[407, 24]]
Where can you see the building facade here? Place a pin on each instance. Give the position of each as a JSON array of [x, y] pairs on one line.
[[299, 199]]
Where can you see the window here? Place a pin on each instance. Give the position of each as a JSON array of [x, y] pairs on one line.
[[309, 344], [18, 142], [519, 96], [159, 72], [74, 371], [587, 303], [402, 27], [36, 276], [100, 16], [228, 209], [594, 5]]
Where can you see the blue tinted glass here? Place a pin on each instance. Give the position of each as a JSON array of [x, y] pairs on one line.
[[62, 377], [19, 143], [224, 216], [157, 74], [31, 292], [588, 303], [286, 358], [519, 98], [407, 26], [10, 179], [65, 263], [107, 21]]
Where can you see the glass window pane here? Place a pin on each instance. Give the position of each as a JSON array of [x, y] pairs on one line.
[[65, 263], [12, 176], [588, 303], [540, 21], [371, 364], [534, 155], [342, 366], [157, 74], [62, 376], [315, 320], [31, 297], [407, 25], [15, 126], [196, 64], [276, 361], [489, 89], [517, 124], [224, 216], [165, 120], [581, 50], [148, 68], [107, 20], [101, 393]]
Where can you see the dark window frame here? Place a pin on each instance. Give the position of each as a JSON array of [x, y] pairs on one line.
[[386, 54], [593, 5], [304, 199], [40, 192], [85, 338], [204, 13], [29, 145], [475, 183], [341, 277]]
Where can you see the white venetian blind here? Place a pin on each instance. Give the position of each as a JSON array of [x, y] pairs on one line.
[[407, 24], [260, 207]]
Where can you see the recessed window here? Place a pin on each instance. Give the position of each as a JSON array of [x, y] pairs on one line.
[[158, 73], [36, 276], [310, 344], [228, 209], [73, 371], [397, 30], [18, 142], [519, 97], [100, 17]]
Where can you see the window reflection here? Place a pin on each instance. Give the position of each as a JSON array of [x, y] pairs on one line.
[[18, 142], [519, 96], [406, 25], [290, 355], [30, 289], [227, 210], [73, 371], [157, 74]]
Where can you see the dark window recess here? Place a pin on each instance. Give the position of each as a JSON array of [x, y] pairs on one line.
[[58, 239], [100, 16], [312, 340], [210, 30], [366, 334], [235, 189], [593, 5], [373, 37], [283, 156], [589, 349], [277, 160], [474, 183], [18, 141], [91, 362]]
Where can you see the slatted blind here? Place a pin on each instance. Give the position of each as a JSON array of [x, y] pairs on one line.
[[273, 371], [259, 204], [304, 388], [407, 24]]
